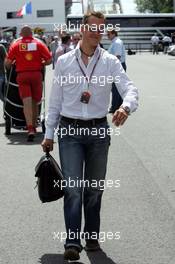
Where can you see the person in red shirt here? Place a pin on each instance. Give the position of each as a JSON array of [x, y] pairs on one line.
[[30, 56]]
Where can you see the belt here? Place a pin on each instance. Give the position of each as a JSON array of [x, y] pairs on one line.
[[83, 123]]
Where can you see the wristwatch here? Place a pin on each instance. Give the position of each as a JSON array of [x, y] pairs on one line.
[[126, 108]]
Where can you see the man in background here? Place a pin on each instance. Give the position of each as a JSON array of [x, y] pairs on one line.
[[166, 43], [75, 39], [155, 44], [53, 47], [117, 49], [30, 56], [64, 47]]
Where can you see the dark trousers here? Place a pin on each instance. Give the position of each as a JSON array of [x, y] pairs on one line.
[[116, 98], [83, 156], [155, 48]]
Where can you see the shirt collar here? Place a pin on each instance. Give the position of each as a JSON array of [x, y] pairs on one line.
[[114, 39], [29, 37], [64, 45], [78, 51]]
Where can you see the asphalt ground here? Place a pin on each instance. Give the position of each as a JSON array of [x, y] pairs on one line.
[[142, 209]]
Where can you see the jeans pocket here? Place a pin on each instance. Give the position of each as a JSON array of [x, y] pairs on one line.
[[65, 129]]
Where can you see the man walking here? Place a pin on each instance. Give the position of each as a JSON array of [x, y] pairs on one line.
[[116, 48], [53, 47], [155, 44], [75, 39], [166, 43], [80, 108], [64, 46], [30, 56]]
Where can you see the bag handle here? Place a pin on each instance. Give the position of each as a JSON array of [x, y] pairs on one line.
[[47, 152]]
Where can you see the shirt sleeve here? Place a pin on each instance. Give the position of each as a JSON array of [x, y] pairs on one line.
[[125, 86], [2, 52], [55, 104], [11, 55], [59, 51], [116, 49]]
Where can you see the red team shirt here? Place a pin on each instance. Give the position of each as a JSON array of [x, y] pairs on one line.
[[28, 52]]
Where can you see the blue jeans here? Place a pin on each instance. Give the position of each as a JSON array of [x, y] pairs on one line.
[[83, 159]]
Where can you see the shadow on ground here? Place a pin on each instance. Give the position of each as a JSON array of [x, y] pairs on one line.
[[56, 259], [98, 257], [2, 124], [20, 138]]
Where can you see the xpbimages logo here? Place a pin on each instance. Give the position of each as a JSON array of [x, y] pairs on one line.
[[101, 132], [85, 183], [101, 236], [102, 28], [101, 80]]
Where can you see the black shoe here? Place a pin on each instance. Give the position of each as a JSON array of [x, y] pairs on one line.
[[92, 245], [71, 253], [30, 137]]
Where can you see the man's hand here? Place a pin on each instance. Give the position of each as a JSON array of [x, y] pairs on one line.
[[48, 62], [119, 117], [8, 63], [47, 144]]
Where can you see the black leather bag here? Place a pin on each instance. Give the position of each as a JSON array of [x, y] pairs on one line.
[[49, 180]]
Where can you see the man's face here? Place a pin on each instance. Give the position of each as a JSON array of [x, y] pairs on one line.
[[110, 35], [76, 39], [92, 34]]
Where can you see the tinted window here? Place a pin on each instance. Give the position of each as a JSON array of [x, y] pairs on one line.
[[11, 15], [45, 13]]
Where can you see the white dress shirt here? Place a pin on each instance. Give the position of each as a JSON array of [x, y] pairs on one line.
[[62, 49], [155, 40], [167, 39], [65, 97]]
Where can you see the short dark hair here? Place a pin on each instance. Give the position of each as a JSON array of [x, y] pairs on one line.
[[65, 38], [26, 31], [114, 32], [92, 13]]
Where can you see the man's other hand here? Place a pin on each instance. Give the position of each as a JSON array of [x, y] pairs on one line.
[[119, 117]]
